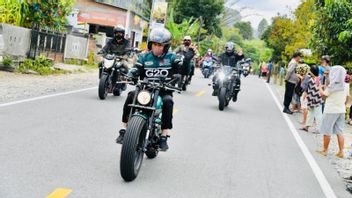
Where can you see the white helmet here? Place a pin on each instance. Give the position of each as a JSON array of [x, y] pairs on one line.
[[229, 46], [187, 38]]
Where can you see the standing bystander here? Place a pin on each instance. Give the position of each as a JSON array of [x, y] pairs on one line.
[[291, 81]]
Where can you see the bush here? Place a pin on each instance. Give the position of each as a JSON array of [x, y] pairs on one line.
[[41, 64], [91, 59], [75, 62], [7, 62], [90, 62]]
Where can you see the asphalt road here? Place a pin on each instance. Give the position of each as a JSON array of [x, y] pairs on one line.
[[68, 142]]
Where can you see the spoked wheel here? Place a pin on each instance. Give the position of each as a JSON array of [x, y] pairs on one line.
[[222, 98], [103, 86], [131, 152]]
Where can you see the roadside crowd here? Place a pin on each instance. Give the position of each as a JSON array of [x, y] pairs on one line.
[[322, 93]]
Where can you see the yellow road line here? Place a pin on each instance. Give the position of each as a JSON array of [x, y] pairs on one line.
[[59, 193], [200, 93], [175, 111]]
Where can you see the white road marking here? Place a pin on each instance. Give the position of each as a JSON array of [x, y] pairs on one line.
[[324, 184], [44, 97]]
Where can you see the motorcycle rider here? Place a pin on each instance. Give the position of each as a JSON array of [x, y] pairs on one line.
[[149, 65], [189, 51], [117, 46], [229, 58], [208, 55]]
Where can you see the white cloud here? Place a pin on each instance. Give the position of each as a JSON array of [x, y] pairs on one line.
[[257, 11]]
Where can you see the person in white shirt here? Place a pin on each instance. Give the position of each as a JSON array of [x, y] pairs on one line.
[[334, 113]]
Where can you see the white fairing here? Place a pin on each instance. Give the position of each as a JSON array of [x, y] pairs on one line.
[[108, 63]]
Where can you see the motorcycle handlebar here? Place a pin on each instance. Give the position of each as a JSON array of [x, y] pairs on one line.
[[165, 86]]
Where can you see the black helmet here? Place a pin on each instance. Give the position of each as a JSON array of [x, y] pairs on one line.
[[326, 58], [314, 70], [119, 30], [160, 35]]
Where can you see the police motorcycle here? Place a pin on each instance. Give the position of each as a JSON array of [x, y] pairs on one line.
[[208, 67], [226, 84], [246, 66], [112, 71], [144, 125]]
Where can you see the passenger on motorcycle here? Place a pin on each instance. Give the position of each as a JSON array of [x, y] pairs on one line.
[[151, 65], [189, 51], [229, 58]]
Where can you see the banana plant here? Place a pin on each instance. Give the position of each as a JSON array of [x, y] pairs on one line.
[[189, 27], [10, 12]]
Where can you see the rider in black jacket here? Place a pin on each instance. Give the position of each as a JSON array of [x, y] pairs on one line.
[[117, 45], [229, 58]]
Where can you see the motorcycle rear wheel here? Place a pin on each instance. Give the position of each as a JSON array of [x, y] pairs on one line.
[[131, 152]]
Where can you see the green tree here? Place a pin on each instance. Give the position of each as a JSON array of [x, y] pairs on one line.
[[232, 34], [12, 11], [332, 30], [262, 27], [302, 25], [50, 14], [278, 36], [245, 29], [209, 10]]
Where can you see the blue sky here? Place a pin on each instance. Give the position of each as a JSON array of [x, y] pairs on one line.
[[259, 9]]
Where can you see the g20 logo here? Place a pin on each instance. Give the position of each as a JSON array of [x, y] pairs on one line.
[[156, 72]]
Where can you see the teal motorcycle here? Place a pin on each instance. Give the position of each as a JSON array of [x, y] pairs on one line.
[[144, 126]]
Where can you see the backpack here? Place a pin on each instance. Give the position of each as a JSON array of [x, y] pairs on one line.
[[298, 89]]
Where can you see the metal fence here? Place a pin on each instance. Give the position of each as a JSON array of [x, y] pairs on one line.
[[46, 42]]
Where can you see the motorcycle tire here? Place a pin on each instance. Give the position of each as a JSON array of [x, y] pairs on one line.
[[206, 74], [184, 87], [151, 153], [131, 151], [103, 87], [222, 98], [116, 91]]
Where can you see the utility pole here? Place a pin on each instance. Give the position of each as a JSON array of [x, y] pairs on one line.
[[200, 28]]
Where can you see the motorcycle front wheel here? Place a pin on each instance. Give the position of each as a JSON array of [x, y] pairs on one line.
[[103, 86], [222, 98], [132, 152]]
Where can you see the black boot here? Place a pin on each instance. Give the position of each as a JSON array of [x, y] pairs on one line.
[[215, 92], [119, 140], [234, 97], [287, 110], [163, 143]]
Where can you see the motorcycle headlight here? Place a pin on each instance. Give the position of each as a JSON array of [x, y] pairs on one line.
[[144, 97], [221, 75], [108, 63]]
